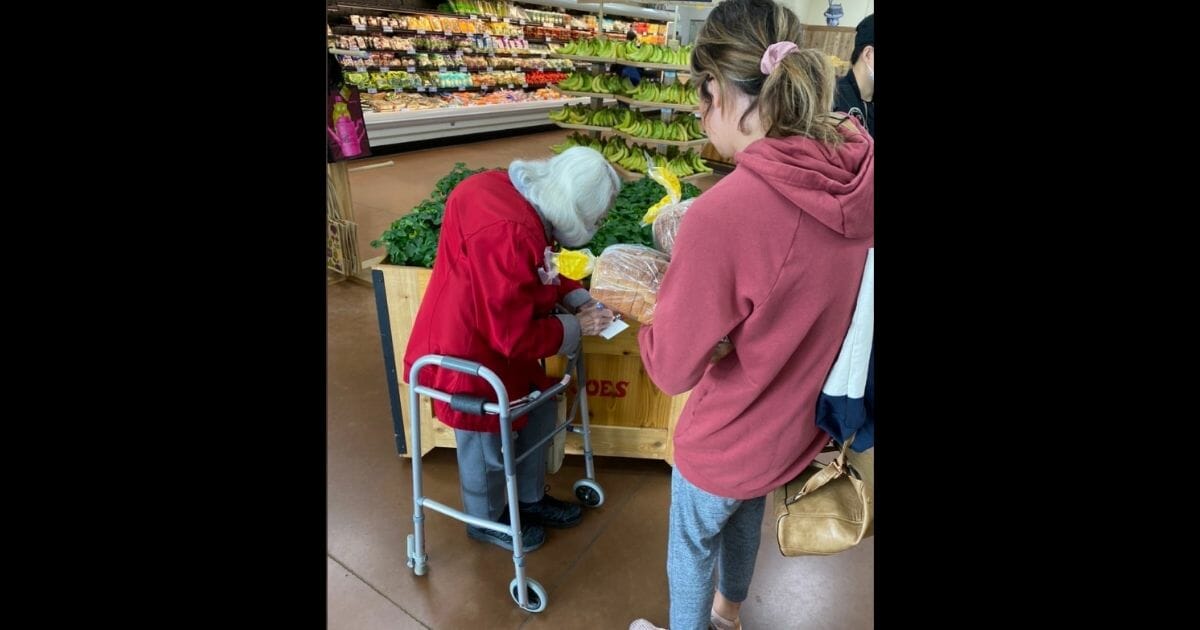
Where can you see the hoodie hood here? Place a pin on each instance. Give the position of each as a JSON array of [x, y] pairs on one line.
[[834, 185]]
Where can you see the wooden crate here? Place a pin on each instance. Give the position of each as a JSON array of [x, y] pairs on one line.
[[630, 416]]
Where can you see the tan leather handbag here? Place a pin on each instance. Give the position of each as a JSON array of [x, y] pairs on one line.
[[828, 508]]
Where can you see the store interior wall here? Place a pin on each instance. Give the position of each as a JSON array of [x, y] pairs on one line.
[[813, 11], [809, 11]]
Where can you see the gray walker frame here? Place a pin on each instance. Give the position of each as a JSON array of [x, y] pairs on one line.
[[526, 592]]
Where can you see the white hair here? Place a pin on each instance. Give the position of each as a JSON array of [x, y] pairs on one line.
[[573, 191]]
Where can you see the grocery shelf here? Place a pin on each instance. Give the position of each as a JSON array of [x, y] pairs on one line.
[[582, 94], [625, 62], [700, 142], [583, 127], [675, 106], [410, 126]]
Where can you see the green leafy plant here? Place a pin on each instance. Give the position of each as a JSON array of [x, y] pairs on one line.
[[412, 239], [624, 222]]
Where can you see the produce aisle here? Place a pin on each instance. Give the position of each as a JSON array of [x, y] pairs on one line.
[[382, 195]]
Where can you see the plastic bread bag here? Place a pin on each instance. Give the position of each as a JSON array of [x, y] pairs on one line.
[[626, 279], [668, 181], [666, 225]]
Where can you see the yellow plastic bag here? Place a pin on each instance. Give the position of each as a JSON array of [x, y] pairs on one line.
[[670, 182], [575, 265]]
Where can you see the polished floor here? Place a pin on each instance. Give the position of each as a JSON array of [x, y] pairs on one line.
[[600, 575]]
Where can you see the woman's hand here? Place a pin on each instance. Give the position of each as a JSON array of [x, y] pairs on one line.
[[592, 320]]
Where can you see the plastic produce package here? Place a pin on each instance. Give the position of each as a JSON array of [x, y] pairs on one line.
[[666, 224], [626, 280]]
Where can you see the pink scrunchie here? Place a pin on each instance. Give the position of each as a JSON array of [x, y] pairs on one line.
[[774, 54]]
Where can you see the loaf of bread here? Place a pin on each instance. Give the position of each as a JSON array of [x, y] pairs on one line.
[[626, 278], [666, 225]]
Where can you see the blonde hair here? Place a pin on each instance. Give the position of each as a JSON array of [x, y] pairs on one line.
[[796, 99], [572, 190]]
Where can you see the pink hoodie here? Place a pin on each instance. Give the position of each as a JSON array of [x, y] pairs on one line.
[[771, 256]]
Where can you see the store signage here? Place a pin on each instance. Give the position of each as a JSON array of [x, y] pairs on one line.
[[604, 388]]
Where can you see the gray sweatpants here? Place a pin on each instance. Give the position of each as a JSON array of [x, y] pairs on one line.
[[481, 465], [706, 531]]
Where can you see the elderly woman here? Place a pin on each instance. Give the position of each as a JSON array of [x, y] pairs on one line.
[[490, 300]]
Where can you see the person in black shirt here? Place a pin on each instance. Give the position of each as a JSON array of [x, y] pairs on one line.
[[856, 91]]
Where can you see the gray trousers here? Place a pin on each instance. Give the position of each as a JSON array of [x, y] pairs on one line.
[[707, 531], [481, 465]]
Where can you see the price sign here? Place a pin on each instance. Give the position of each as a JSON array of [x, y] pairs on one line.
[[360, 27], [388, 29]]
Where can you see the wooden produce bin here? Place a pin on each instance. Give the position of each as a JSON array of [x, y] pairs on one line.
[[630, 416]]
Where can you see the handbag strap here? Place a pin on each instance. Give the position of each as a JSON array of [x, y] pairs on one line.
[[828, 473]]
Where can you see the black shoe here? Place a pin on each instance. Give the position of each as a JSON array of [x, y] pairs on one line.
[[532, 537], [551, 512]]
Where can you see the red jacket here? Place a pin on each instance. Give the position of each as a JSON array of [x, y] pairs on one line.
[[772, 256], [485, 301]]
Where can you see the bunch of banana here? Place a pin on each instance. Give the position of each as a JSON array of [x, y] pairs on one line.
[[691, 95], [615, 150], [577, 82], [690, 123], [577, 115], [647, 91], [651, 53], [560, 115], [604, 118], [635, 159], [629, 122], [604, 84], [693, 160]]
